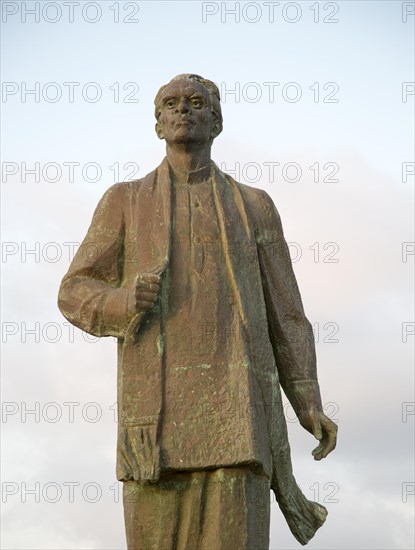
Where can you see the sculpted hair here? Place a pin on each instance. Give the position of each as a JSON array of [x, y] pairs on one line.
[[210, 87]]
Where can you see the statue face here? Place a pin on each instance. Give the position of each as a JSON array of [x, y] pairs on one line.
[[185, 114]]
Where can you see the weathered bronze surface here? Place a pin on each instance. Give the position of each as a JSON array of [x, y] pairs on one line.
[[190, 270]]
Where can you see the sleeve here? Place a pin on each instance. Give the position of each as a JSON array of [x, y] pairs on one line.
[[90, 294], [290, 331]]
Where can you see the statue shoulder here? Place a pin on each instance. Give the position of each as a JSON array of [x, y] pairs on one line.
[[126, 186], [258, 200], [252, 194], [262, 211], [122, 190], [130, 189]]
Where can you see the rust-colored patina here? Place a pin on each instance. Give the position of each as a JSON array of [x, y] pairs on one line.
[[189, 269]]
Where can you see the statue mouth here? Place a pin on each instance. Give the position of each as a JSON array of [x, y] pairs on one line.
[[184, 122]]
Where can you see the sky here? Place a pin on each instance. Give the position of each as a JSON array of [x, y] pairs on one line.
[[318, 107]]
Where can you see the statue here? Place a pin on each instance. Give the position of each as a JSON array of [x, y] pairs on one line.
[[190, 271]]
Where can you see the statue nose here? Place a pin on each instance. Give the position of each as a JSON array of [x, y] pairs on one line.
[[183, 107]]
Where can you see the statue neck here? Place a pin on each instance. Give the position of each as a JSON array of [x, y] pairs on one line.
[[187, 158]]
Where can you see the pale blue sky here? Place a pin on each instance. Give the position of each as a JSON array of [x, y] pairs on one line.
[[368, 214]]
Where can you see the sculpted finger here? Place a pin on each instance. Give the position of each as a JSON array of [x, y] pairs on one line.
[[150, 277], [329, 440], [147, 296], [322, 451], [153, 287], [318, 451], [144, 305], [143, 286], [316, 426], [331, 434]]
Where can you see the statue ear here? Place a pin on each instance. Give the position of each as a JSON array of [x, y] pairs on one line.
[[159, 131], [216, 129]]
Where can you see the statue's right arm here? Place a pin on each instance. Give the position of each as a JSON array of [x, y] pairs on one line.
[[91, 296]]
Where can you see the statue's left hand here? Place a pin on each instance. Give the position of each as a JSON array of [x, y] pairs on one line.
[[323, 429]]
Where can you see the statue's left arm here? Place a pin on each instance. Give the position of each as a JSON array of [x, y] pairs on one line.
[[290, 331]]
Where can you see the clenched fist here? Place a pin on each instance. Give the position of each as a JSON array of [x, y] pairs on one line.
[[143, 293]]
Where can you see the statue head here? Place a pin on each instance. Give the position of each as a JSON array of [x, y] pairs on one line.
[[187, 109]]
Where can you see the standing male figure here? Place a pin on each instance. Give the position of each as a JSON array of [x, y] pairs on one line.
[[190, 271]]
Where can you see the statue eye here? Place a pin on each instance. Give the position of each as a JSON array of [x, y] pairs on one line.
[[197, 103], [170, 103]]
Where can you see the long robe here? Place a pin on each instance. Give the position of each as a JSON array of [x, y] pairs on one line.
[[272, 342]]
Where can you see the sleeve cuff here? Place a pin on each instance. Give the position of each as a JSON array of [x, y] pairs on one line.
[[114, 312], [304, 394]]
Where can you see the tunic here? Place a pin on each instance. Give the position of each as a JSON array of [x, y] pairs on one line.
[[204, 364]]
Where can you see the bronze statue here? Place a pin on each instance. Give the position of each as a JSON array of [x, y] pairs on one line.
[[189, 269]]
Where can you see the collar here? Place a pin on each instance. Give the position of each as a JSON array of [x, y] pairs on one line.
[[193, 177]]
